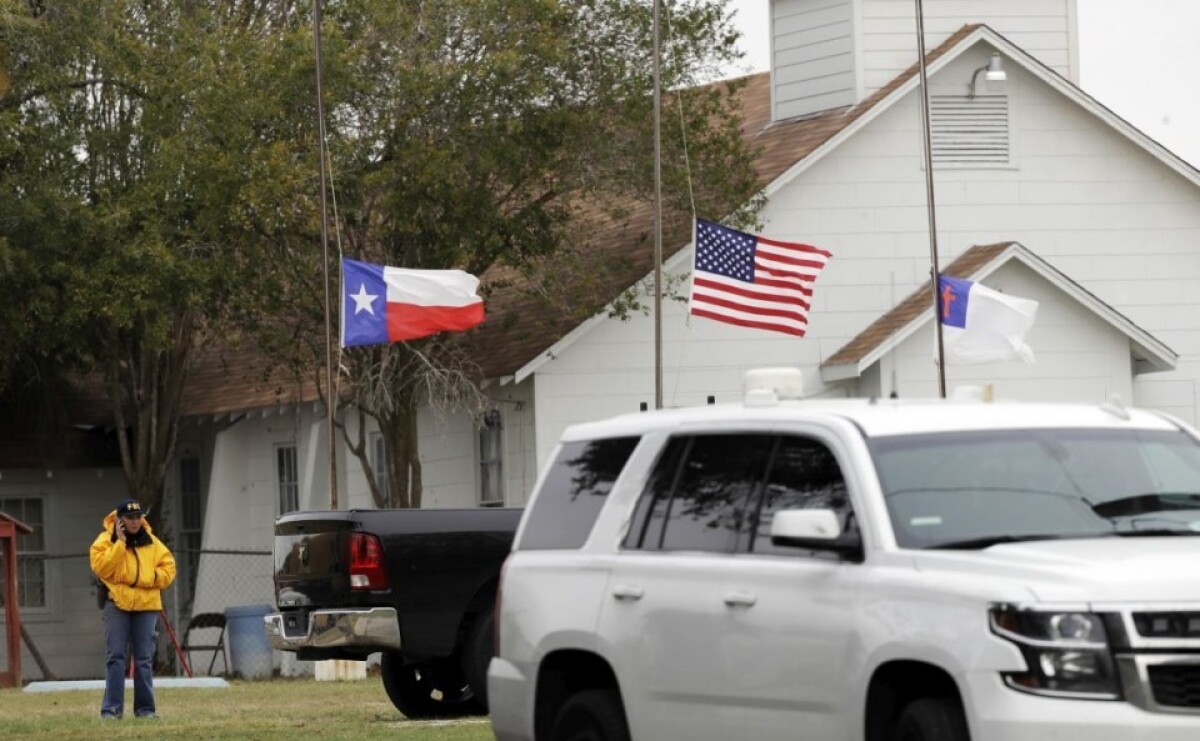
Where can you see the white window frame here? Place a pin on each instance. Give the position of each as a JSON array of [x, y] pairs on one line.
[[6, 506], [287, 482], [490, 451], [377, 455]]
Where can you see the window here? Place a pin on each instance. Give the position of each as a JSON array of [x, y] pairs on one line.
[[31, 551], [653, 503], [191, 522], [574, 492], [707, 508], [969, 131], [285, 473], [804, 475], [491, 460], [377, 453]]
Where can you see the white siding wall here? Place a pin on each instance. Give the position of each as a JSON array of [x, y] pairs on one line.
[[449, 459], [887, 32], [813, 62], [1080, 195], [241, 511], [69, 631]]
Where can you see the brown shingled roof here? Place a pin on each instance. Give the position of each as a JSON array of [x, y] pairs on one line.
[[237, 379], [910, 308]]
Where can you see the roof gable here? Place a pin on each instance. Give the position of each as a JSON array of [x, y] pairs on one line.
[[957, 44], [914, 312]]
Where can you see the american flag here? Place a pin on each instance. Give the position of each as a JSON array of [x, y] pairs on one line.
[[752, 281]]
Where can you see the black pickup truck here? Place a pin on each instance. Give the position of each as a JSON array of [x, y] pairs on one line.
[[419, 585]]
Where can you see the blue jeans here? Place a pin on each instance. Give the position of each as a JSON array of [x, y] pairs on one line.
[[121, 629]]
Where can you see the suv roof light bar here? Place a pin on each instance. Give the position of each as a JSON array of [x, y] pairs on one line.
[[766, 386]]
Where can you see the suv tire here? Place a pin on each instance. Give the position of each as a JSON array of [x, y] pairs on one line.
[[932, 719], [591, 715], [427, 689]]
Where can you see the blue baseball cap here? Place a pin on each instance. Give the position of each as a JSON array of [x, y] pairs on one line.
[[130, 508]]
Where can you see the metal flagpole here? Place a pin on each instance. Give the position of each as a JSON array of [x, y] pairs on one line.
[[330, 401], [933, 249], [658, 361]]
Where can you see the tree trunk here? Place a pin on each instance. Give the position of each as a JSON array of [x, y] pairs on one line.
[[398, 428], [146, 389]]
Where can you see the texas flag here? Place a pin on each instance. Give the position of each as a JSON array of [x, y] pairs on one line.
[[980, 325], [383, 304]]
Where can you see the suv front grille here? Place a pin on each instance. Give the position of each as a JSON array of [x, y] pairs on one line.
[[1176, 685], [1167, 624]]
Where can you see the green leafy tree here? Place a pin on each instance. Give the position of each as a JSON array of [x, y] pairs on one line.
[[497, 138], [133, 136]]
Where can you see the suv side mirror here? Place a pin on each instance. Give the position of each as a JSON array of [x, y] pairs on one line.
[[815, 529]]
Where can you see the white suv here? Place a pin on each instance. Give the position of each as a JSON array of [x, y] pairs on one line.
[[861, 570]]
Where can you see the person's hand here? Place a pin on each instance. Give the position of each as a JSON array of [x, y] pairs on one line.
[[120, 530]]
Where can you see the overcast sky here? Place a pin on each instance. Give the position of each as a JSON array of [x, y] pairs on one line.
[[1138, 58]]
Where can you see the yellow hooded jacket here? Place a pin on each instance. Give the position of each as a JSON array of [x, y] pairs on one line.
[[135, 577]]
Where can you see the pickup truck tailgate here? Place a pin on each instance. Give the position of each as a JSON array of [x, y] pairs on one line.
[[311, 554]]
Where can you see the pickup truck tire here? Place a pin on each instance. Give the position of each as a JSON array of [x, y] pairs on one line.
[[932, 719], [428, 689], [477, 654], [591, 715]]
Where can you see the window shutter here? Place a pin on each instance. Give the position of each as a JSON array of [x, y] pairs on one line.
[[969, 131]]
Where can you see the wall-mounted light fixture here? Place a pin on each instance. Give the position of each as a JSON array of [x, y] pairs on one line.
[[993, 72]]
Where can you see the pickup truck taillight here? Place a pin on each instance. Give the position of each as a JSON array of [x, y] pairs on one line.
[[366, 562]]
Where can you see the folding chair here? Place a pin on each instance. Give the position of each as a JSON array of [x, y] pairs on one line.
[[206, 621]]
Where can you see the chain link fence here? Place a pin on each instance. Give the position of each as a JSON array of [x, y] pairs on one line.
[[61, 600]]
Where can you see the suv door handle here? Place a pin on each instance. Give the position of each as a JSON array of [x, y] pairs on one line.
[[740, 599], [631, 592]]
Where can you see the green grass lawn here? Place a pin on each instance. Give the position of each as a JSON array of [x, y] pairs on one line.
[[279, 709]]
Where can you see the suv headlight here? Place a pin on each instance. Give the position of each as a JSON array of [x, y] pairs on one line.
[[1067, 653]]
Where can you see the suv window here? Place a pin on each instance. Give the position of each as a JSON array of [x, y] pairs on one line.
[[656, 495], [704, 506], [574, 491], [804, 475]]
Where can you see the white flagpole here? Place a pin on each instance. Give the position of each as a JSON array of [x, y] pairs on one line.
[[330, 400], [933, 248], [658, 361]]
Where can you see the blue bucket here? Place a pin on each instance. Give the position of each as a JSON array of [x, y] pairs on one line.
[[249, 651]]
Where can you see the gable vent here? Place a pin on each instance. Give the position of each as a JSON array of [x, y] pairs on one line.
[[969, 131]]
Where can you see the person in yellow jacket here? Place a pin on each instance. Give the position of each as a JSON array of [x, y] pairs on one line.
[[135, 567]]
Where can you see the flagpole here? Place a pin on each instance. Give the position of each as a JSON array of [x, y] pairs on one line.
[[933, 248], [658, 361], [330, 401]]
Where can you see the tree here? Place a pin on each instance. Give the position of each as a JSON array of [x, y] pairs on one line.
[[133, 138], [491, 137]]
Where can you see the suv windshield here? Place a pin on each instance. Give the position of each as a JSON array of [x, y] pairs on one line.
[[976, 489]]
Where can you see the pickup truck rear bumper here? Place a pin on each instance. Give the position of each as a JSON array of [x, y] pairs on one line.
[[375, 627]]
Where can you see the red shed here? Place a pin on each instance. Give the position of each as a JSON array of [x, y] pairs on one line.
[[10, 528]]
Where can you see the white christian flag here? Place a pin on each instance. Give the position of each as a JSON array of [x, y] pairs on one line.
[[980, 325], [382, 304]]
